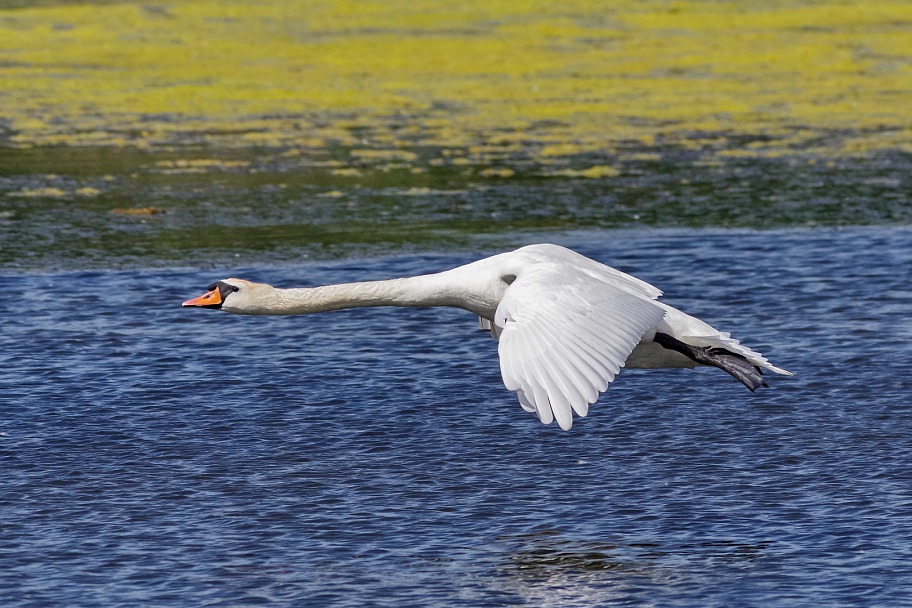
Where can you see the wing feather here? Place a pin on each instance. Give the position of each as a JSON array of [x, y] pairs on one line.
[[606, 274], [563, 383], [539, 395], [564, 370], [524, 401], [593, 365], [564, 336]]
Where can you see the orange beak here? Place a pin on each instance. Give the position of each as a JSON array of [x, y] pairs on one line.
[[210, 298]]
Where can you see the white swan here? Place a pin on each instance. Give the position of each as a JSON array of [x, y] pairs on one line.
[[565, 324]]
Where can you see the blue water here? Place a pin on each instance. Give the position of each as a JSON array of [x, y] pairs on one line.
[[153, 455]]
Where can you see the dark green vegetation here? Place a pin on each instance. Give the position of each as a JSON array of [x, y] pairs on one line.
[[104, 207]]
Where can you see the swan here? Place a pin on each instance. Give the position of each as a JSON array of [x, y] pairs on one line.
[[565, 324]]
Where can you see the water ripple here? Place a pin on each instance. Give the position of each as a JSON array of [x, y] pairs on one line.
[[154, 455]]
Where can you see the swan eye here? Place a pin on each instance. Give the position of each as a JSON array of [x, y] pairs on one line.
[[224, 288]]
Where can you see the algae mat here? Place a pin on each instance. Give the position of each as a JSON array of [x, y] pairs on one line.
[[475, 81]]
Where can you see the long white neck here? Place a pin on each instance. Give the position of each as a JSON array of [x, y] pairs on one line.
[[426, 290]]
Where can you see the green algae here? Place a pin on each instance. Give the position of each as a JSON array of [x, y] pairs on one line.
[[828, 76]]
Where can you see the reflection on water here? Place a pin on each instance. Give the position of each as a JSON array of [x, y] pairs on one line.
[[547, 568], [544, 554]]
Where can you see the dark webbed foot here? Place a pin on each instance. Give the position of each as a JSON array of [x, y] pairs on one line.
[[739, 367]]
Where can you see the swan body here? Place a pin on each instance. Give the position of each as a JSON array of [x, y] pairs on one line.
[[565, 324]]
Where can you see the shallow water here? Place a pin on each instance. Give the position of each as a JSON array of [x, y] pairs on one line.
[[161, 456], [117, 208]]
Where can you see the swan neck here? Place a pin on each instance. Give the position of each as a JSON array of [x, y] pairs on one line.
[[413, 291]]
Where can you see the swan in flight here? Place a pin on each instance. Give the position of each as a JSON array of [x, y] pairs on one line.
[[565, 324]]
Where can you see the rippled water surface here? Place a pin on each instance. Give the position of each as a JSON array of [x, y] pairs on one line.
[[154, 455]]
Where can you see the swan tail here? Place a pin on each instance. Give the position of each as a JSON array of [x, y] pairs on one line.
[[779, 370]]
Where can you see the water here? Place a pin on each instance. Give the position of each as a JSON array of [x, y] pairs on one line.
[[117, 208], [154, 455]]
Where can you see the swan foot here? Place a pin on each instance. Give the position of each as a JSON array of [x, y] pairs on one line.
[[737, 366]]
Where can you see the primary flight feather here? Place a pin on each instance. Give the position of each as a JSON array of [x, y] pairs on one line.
[[566, 324]]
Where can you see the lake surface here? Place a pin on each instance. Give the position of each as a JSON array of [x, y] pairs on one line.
[[159, 456]]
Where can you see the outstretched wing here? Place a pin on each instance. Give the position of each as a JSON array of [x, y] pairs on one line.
[[564, 337]]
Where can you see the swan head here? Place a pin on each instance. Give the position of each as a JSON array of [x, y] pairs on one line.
[[230, 295]]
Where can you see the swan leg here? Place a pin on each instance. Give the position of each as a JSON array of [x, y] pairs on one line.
[[749, 375]]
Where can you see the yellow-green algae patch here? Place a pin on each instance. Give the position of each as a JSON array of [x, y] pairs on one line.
[[541, 79]]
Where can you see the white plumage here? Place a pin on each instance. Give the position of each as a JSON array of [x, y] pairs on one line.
[[566, 324]]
